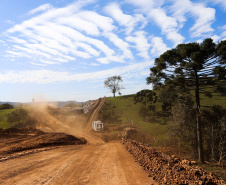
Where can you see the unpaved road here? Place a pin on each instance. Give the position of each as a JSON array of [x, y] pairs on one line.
[[95, 163]]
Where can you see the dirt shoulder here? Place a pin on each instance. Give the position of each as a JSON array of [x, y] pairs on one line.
[[20, 141]]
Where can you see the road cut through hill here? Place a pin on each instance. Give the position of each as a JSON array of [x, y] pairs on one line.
[[94, 163]]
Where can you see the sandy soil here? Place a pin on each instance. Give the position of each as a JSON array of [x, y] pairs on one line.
[[94, 163]]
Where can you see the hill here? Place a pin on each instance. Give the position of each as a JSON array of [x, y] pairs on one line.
[[121, 116], [121, 113], [58, 104]]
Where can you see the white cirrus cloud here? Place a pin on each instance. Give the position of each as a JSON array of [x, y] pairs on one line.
[[141, 43], [154, 11], [121, 44], [79, 24], [146, 4], [48, 76], [222, 3], [47, 62], [167, 24], [128, 21], [158, 47], [108, 59], [43, 7], [68, 31], [215, 38], [104, 23], [204, 16]]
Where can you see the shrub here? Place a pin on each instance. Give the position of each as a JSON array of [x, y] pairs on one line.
[[6, 106]]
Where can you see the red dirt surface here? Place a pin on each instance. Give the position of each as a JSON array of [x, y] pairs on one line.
[[96, 162], [22, 141], [169, 170]]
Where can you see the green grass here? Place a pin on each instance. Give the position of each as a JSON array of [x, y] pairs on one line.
[[122, 111], [3, 118]]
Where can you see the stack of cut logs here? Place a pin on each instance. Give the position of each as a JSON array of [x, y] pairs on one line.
[[169, 170]]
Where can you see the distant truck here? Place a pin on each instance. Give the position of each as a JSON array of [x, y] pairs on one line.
[[97, 125]]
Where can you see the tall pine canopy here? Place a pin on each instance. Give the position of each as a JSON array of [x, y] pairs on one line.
[[192, 66]]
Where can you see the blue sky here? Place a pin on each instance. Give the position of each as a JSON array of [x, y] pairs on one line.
[[64, 49]]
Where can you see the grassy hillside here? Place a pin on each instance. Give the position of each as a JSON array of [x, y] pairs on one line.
[[120, 112]]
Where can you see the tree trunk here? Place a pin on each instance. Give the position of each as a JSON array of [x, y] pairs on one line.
[[199, 129], [114, 91], [212, 143]]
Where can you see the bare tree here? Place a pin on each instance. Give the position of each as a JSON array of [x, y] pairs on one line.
[[113, 84]]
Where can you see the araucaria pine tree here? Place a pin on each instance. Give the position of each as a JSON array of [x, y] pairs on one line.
[[192, 66]]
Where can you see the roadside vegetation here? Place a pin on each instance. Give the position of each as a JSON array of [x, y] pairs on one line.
[[14, 117], [185, 113], [157, 128]]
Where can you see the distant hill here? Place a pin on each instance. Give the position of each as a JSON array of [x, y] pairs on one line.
[[58, 104], [11, 103]]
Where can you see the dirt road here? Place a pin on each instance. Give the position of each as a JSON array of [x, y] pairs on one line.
[[95, 163]]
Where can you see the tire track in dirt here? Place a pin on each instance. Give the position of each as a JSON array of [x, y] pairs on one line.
[[96, 163]]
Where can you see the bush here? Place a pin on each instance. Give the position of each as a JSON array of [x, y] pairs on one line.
[[20, 118], [214, 121], [6, 106], [183, 125]]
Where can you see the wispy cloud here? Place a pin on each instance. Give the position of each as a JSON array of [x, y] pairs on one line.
[[73, 33], [128, 21], [40, 8], [64, 34], [222, 3], [141, 43], [203, 15], [9, 22], [155, 12], [158, 47], [48, 76]]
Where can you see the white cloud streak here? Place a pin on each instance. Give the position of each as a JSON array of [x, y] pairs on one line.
[[141, 43], [204, 16], [57, 33], [124, 20], [47, 76], [156, 13], [222, 3], [40, 8], [157, 46], [72, 33]]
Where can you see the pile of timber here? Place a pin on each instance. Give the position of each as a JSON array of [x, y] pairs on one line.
[[169, 170]]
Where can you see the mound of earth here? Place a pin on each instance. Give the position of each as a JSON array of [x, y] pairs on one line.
[[169, 170], [16, 140]]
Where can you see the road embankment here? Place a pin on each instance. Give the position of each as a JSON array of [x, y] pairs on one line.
[[169, 170]]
